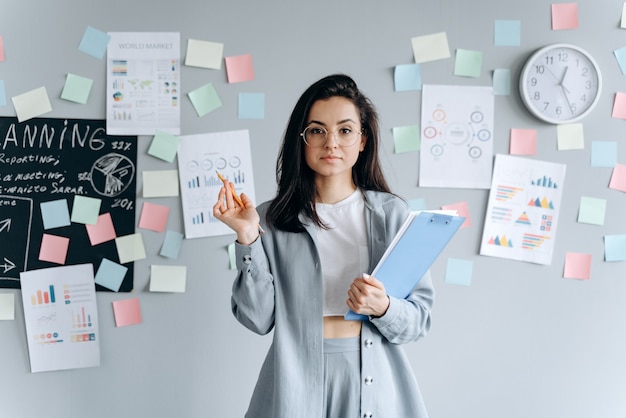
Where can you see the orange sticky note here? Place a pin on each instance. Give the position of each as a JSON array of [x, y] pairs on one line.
[[153, 217], [462, 210], [577, 266], [619, 106], [127, 312], [102, 231], [618, 178], [53, 248], [564, 16], [523, 142], [239, 68]]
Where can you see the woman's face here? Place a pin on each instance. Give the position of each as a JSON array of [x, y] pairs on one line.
[[332, 157]]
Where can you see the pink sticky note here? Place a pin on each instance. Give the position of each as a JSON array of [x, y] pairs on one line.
[[577, 266], [1, 49], [53, 248], [618, 178], [462, 210], [523, 142], [239, 68], [126, 312], [619, 106], [153, 217], [102, 231], [564, 16]]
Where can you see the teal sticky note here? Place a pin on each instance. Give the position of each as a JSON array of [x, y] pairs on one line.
[[407, 77], [592, 210], [468, 63], [76, 88], [3, 94], [417, 204], [205, 99], [620, 55], [615, 247], [507, 32], [94, 42], [251, 106], [85, 210], [603, 154], [459, 272], [501, 82], [406, 138], [55, 214], [110, 275], [164, 146], [171, 244]]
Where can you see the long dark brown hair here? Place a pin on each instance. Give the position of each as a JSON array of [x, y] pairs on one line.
[[296, 186]]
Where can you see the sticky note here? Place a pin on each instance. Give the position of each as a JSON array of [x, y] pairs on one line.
[[204, 54], [160, 183], [619, 106], [468, 63], [110, 275], [501, 82], [615, 247], [53, 248], [130, 248], [620, 55], [407, 77], [577, 266], [430, 47], [507, 32], [232, 256], [55, 214], [523, 142], [86, 210], [3, 94], [1, 49], [205, 99], [127, 312], [102, 231], [618, 178], [164, 146], [623, 19], [459, 272], [31, 104], [462, 209], [239, 68], [417, 204], [592, 210], [564, 16], [94, 42], [603, 153], [251, 106], [172, 244], [76, 88], [7, 306], [153, 217], [406, 138], [168, 278], [570, 136]]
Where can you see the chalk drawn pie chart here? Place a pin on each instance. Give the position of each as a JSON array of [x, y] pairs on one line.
[[111, 174]]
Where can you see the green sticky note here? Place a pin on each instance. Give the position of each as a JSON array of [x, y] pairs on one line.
[[205, 99], [592, 210], [85, 210], [76, 88], [406, 138], [164, 146], [468, 63]]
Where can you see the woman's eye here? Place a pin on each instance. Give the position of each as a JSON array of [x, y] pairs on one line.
[[317, 131]]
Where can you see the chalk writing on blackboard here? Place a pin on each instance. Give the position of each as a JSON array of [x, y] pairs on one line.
[[45, 161]]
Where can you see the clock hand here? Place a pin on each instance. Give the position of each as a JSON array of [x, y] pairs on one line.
[[563, 80], [569, 105]]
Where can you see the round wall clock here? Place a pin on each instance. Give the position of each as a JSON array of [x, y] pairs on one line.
[[560, 83]]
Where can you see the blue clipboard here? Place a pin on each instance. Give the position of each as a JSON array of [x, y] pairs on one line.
[[415, 248]]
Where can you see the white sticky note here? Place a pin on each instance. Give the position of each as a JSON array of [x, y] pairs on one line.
[[161, 183], [31, 104], [168, 278], [570, 136], [130, 248], [204, 54], [430, 47], [7, 306]]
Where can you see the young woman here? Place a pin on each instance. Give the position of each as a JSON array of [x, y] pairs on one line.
[[331, 220]]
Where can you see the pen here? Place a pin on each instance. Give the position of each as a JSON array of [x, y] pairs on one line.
[[237, 198]]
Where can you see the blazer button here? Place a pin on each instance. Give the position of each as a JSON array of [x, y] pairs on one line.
[[368, 343], [367, 415], [369, 380], [247, 259]]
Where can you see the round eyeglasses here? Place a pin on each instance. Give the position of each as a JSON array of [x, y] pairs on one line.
[[316, 136]]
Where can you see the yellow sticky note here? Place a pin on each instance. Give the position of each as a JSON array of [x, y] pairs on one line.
[[161, 183], [31, 104], [570, 136]]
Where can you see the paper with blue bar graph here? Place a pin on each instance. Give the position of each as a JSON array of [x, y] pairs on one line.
[[200, 157], [414, 249], [523, 209], [61, 317]]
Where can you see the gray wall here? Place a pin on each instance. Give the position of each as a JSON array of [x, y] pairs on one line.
[[521, 341]]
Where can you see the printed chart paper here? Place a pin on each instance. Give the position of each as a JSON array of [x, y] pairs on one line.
[[523, 209], [61, 317], [143, 83], [200, 157], [457, 136]]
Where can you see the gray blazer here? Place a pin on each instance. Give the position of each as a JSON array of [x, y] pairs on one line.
[[279, 287]]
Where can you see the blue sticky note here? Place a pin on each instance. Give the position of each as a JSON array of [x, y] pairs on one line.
[[620, 55], [55, 214], [171, 244], [507, 33], [407, 77], [459, 272], [501, 82], [3, 95], [251, 105], [615, 247], [94, 42], [110, 275], [603, 154]]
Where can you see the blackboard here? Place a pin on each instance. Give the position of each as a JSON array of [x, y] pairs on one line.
[[45, 160]]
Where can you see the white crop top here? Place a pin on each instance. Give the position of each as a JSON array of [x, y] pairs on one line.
[[342, 249]]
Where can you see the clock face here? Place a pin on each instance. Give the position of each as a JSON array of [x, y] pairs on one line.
[[560, 83]]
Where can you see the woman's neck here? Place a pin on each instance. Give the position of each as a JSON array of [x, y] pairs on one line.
[[329, 192]]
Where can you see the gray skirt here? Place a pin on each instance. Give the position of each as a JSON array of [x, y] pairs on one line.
[[342, 377]]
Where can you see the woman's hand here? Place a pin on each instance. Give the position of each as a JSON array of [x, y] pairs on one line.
[[243, 220], [367, 296]]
